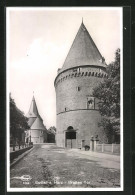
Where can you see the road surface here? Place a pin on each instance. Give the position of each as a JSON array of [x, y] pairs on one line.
[[48, 166]]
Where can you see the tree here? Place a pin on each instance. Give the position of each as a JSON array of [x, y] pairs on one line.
[[18, 122], [51, 134], [108, 92]]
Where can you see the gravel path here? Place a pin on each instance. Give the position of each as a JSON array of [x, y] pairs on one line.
[[53, 167]]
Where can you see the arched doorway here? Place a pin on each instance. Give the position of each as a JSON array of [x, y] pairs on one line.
[[70, 138]]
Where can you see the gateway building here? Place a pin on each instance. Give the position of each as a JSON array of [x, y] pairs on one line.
[[77, 110]]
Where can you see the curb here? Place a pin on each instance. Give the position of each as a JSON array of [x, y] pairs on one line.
[[20, 157]]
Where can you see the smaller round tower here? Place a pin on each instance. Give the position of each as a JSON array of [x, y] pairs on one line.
[[77, 110], [37, 132]]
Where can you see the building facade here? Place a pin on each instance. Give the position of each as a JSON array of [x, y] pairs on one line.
[[37, 132], [76, 108]]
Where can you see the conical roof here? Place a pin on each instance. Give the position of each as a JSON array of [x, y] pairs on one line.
[[33, 111], [35, 121], [31, 121], [38, 124], [83, 51]]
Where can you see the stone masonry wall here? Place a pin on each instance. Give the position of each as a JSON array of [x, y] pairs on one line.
[[73, 87], [37, 136], [85, 122]]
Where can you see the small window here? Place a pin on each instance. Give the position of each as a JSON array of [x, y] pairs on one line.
[[78, 70], [78, 88], [90, 103]]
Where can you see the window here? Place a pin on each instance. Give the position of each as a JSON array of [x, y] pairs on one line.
[[66, 109], [78, 70], [90, 103], [78, 88]]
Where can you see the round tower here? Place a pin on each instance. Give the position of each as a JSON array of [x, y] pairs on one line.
[[37, 132], [76, 108]]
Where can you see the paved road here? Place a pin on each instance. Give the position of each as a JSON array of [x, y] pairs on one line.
[[53, 167], [102, 159]]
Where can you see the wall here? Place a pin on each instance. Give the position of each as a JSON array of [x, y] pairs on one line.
[[37, 136], [71, 104], [67, 94], [85, 122], [15, 154], [108, 148]]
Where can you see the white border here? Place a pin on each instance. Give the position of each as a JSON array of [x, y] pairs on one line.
[[7, 99]]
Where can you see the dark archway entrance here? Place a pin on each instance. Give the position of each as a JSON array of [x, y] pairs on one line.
[[70, 137]]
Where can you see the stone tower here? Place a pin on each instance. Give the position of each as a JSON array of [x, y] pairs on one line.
[[37, 132], [77, 110]]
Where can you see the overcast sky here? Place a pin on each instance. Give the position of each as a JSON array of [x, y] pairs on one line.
[[38, 41]]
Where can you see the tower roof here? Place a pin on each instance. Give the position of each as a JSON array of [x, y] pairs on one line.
[[83, 51], [31, 121], [35, 121], [33, 111], [38, 124]]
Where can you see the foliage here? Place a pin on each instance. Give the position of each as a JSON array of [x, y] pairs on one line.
[[108, 92], [52, 130], [18, 122], [51, 134]]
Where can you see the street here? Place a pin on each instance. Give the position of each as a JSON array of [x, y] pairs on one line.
[[52, 167]]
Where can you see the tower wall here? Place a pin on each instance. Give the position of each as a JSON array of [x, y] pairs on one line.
[[73, 88], [85, 122], [37, 136]]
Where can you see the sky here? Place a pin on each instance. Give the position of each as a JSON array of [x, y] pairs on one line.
[[38, 41]]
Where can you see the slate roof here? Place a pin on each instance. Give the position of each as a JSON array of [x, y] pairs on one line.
[[35, 121], [38, 124], [83, 51], [31, 121], [33, 111]]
